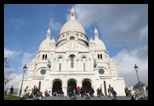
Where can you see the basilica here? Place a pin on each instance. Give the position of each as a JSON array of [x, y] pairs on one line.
[[73, 60]]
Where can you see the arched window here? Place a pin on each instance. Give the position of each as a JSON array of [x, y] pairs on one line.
[[72, 38], [98, 56], [84, 67], [101, 56], [59, 66], [72, 60], [43, 57]]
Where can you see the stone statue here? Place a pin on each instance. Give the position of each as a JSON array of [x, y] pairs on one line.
[[94, 64], [49, 64]]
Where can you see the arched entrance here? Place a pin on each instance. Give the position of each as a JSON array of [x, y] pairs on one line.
[[57, 86], [86, 85], [72, 83]]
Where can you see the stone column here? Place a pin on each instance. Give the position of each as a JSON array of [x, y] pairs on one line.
[[64, 88]]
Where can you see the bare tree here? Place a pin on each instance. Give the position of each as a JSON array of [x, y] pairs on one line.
[[8, 76]]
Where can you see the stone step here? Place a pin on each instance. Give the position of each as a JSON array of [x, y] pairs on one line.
[[83, 98]]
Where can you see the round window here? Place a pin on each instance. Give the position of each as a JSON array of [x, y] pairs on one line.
[[43, 71], [101, 71], [72, 38]]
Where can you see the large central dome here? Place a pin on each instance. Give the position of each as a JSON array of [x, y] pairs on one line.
[[72, 25], [72, 29]]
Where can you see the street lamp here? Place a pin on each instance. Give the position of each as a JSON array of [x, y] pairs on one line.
[[24, 69], [136, 69]]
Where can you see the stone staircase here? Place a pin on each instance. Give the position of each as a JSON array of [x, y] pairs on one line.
[[83, 98]]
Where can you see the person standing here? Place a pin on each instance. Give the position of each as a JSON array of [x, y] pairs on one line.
[[26, 89], [78, 90], [114, 94], [110, 91], [74, 94], [11, 90], [92, 92]]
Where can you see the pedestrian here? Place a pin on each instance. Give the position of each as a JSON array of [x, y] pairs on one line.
[[114, 94], [11, 90], [26, 89], [109, 90], [87, 97]]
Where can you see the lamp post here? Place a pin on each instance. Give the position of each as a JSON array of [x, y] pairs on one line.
[[24, 69], [136, 69]]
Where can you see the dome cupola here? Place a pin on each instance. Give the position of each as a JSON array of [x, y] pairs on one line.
[[99, 45], [45, 45]]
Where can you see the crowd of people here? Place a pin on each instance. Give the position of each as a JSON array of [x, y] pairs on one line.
[[35, 94], [73, 92]]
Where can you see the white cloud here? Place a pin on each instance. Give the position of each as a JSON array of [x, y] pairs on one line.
[[143, 33], [121, 26], [117, 23], [54, 25], [11, 53], [27, 57], [16, 23], [126, 60], [8, 69]]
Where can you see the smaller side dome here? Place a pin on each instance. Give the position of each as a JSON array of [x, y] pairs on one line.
[[45, 45], [99, 45]]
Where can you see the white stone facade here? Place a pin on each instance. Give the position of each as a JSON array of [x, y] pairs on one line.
[[72, 61]]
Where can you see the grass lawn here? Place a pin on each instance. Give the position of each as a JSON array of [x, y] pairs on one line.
[[11, 97]]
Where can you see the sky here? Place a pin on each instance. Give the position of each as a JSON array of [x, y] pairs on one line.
[[122, 27]]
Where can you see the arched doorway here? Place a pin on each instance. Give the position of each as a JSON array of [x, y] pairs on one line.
[[86, 85], [57, 86], [72, 83]]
